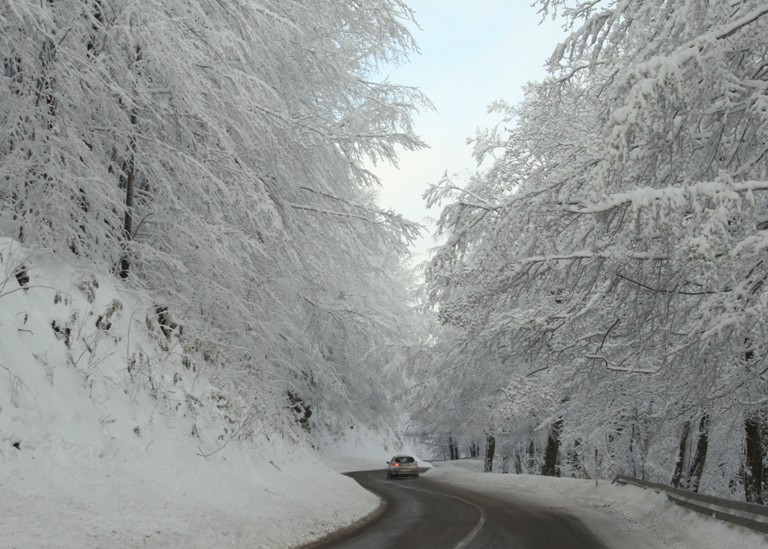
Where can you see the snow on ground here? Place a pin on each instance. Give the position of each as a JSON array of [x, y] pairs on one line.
[[230, 501], [109, 437], [643, 518], [364, 450]]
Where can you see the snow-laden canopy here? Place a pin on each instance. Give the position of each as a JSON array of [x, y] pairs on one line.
[[611, 260], [212, 153]]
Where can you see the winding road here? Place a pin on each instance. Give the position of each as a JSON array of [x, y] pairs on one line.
[[422, 513]]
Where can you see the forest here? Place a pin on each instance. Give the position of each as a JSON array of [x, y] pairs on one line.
[[213, 155], [600, 285]]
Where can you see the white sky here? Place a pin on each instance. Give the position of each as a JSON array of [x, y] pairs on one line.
[[472, 53]]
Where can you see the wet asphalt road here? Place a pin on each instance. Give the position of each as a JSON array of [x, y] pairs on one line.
[[420, 513]]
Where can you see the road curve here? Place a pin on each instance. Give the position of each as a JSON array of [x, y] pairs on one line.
[[420, 513]]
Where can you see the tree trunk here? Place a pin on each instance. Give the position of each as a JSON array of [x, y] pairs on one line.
[[697, 465], [518, 463], [96, 27], [128, 182], [677, 476], [550, 467], [753, 470], [46, 82], [44, 95], [632, 436], [453, 449], [128, 178], [574, 460], [490, 450], [474, 449], [531, 456]]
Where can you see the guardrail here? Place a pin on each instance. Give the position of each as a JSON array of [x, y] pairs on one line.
[[750, 515]]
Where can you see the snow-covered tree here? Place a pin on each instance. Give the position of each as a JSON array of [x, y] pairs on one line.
[[616, 241], [212, 153]]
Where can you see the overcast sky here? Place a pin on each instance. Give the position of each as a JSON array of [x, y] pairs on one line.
[[472, 53]]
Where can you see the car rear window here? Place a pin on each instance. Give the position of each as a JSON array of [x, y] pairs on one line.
[[404, 459]]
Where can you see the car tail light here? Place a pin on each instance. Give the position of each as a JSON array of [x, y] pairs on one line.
[[396, 464]]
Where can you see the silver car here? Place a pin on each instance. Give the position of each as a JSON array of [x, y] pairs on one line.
[[402, 466]]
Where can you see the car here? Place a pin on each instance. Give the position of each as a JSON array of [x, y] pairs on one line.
[[402, 466]]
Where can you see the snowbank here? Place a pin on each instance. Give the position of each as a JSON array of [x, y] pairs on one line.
[[644, 517], [109, 437], [234, 501]]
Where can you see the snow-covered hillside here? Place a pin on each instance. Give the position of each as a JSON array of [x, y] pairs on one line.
[[110, 438]]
